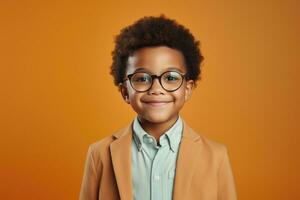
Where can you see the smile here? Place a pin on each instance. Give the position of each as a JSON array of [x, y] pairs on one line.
[[156, 104]]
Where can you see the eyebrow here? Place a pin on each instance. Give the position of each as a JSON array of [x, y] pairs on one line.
[[169, 68]]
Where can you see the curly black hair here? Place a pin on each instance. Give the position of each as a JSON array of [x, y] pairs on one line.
[[155, 31]]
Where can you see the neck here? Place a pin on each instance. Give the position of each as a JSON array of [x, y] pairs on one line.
[[157, 129]]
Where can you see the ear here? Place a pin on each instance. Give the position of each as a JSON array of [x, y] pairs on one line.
[[189, 89], [124, 92]]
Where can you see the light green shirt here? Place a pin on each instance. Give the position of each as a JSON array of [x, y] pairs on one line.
[[153, 166]]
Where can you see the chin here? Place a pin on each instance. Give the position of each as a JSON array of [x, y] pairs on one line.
[[156, 117]]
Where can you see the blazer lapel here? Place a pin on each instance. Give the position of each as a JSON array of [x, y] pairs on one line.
[[121, 159], [186, 162], [185, 165]]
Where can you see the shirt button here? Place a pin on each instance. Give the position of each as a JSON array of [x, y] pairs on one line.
[[157, 177], [148, 139]]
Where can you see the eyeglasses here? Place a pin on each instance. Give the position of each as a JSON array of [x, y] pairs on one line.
[[169, 80]]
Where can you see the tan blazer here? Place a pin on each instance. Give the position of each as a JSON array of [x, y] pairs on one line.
[[203, 170]]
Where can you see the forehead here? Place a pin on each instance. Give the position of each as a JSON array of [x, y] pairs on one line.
[[156, 60]]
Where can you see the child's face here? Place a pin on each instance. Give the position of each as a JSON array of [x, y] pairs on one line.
[[156, 60]]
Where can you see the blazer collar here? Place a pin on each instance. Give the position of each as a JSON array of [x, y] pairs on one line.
[[120, 150]]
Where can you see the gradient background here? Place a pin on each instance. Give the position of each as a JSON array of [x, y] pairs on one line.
[[57, 96]]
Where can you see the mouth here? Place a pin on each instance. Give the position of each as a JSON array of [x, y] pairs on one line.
[[157, 103]]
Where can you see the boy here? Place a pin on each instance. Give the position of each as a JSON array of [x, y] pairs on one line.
[[156, 63]]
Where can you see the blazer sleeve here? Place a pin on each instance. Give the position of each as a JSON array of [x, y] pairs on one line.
[[226, 183], [90, 181]]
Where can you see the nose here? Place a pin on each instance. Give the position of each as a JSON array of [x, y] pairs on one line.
[[156, 88]]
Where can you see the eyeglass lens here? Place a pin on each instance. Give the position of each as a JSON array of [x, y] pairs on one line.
[[142, 81]]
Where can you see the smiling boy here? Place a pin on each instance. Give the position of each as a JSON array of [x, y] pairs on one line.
[[156, 64]]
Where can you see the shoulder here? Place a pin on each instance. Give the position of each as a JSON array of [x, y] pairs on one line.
[[203, 142], [101, 147], [210, 147]]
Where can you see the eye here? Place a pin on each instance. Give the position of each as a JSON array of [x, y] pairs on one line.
[[172, 77], [141, 78]]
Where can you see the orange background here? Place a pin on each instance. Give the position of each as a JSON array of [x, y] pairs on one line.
[[57, 96]]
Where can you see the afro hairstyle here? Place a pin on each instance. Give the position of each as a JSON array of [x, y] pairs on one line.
[[151, 31]]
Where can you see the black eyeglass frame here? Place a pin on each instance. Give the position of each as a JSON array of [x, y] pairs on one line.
[[153, 77]]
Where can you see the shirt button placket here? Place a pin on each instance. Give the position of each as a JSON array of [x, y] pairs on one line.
[[155, 179]]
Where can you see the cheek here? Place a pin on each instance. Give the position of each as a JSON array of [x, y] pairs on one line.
[[134, 99], [132, 93], [179, 95]]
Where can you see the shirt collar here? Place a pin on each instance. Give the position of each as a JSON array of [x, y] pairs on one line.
[[171, 137]]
